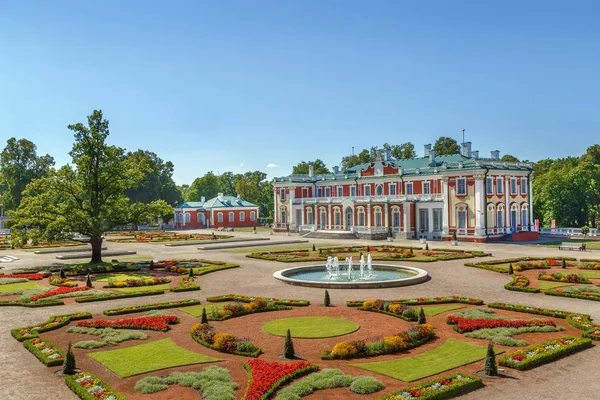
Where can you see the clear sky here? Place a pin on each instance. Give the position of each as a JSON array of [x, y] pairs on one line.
[[239, 85]]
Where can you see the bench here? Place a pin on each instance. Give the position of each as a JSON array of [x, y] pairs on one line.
[[572, 246]]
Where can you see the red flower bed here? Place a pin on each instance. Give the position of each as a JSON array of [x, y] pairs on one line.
[[59, 290], [470, 325], [157, 323], [553, 263], [33, 277], [265, 374]]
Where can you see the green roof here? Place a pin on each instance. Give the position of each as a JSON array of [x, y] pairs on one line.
[[225, 202]]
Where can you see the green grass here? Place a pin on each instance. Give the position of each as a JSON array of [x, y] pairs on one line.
[[164, 286], [281, 248], [435, 310], [452, 354], [551, 285], [590, 274], [589, 244], [148, 357], [122, 277], [258, 229], [196, 311], [311, 327], [133, 259], [13, 287]]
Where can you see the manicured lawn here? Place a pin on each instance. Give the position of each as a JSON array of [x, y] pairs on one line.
[[311, 327], [164, 286], [452, 354], [280, 248], [13, 287], [551, 285], [148, 357], [196, 311], [590, 274], [258, 229], [134, 259], [122, 277], [435, 310], [589, 244]]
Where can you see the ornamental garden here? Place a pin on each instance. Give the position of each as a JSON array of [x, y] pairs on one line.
[[240, 345]]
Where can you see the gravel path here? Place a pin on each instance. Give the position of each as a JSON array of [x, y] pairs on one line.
[[26, 378]]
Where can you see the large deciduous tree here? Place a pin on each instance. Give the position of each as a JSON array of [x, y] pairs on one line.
[[88, 197], [207, 186], [157, 179], [19, 165], [254, 187], [318, 165], [509, 158], [446, 146]]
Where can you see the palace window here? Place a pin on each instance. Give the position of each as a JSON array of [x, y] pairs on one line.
[[379, 190], [500, 218], [283, 216], [461, 187], [523, 185], [252, 216], [513, 186], [377, 216], [396, 217], [219, 217], [426, 188], [309, 216], [361, 217], [367, 190], [242, 216], [409, 188], [187, 218], [282, 194], [392, 189], [424, 219], [337, 217], [340, 191], [231, 217], [489, 186], [437, 219], [199, 216], [352, 191], [524, 217], [499, 186], [462, 218], [327, 192], [319, 192]]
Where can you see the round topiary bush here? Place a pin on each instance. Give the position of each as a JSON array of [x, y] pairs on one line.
[[366, 385]]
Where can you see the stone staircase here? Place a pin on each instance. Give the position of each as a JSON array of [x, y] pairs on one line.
[[341, 235]]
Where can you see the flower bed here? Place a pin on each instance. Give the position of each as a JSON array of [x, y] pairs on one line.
[[153, 306], [45, 351], [84, 269], [588, 263], [583, 296], [583, 322], [31, 277], [137, 282], [89, 387], [155, 323], [58, 281], [264, 378], [113, 296], [206, 335], [238, 309], [248, 299], [469, 325], [520, 283], [54, 322], [199, 265], [563, 277], [438, 389], [530, 310], [32, 304], [519, 264], [58, 291], [544, 353], [186, 284], [405, 340], [422, 301]]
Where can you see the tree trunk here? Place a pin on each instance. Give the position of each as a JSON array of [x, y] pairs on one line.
[[96, 242]]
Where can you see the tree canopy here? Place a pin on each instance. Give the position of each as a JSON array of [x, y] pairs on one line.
[[88, 198], [405, 151], [509, 158], [318, 165], [446, 146]]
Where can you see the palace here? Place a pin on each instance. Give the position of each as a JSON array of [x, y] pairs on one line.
[[433, 197], [218, 212]]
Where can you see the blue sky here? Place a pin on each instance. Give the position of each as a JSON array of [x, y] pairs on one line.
[[237, 85]]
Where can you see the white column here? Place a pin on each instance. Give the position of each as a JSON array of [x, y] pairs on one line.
[[479, 207], [329, 217], [430, 217], [291, 218], [275, 210], [369, 215], [406, 217], [387, 218], [530, 197], [446, 208], [507, 205]]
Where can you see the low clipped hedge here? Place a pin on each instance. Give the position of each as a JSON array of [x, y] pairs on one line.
[[583, 296], [54, 322], [248, 312], [520, 283], [31, 304], [531, 310], [248, 299], [32, 346], [114, 296], [449, 386], [198, 339], [186, 284], [79, 383], [566, 346], [423, 301], [153, 306]]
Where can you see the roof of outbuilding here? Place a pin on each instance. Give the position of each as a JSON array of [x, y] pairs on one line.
[[215, 202]]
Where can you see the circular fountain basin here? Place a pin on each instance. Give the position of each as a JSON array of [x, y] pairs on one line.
[[383, 276]]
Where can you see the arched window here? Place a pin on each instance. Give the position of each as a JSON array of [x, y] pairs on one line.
[[395, 217], [500, 216], [461, 217], [282, 216], [378, 216], [309, 216], [323, 218], [361, 216], [379, 190], [524, 215]]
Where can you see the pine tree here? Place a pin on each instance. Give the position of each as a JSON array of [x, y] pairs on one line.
[[204, 319], [563, 263], [88, 281], [327, 300], [510, 269], [288, 347], [191, 273], [490, 368], [422, 319], [62, 274], [69, 363]]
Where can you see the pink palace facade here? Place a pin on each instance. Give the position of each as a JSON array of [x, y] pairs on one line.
[[479, 199]]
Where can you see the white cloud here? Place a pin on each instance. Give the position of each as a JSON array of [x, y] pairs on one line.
[[272, 166], [242, 164]]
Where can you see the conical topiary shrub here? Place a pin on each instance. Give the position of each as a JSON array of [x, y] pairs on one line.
[[426, 246], [327, 300], [69, 364], [288, 347], [204, 318], [62, 274], [510, 269], [563, 263], [490, 368], [151, 266], [314, 248], [191, 272], [422, 319], [88, 281]]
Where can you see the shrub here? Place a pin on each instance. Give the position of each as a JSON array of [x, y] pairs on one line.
[[366, 385], [422, 319], [214, 383], [69, 364], [62, 274], [288, 346], [393, 344], [204, 319], [327, 300], [563, 263], [510, 269], [225, 342], [410, 314], [343, 350], [490, 367]]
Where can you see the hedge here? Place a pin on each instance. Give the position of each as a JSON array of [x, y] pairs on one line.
[[520, 279], [199, 340], [424, 301], [113, 296], [248, 312], [43, 357], [549, 355], [28, 332], [153, 306], [584, 296], [31, 304], [459, 386], [83, 393], [531, 310], [248, 299]]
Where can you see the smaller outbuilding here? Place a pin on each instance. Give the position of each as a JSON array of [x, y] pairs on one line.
[[218, 212]]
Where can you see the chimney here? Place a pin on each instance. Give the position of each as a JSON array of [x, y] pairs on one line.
[[203, 199], [431, 156], [311, 170], [495, 154], [336, 170], [220, 196], [388, 155], [475, 154], [427, 150], [466, 149], [238, 196]]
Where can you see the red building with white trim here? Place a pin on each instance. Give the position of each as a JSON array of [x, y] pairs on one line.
[[218, 212]]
